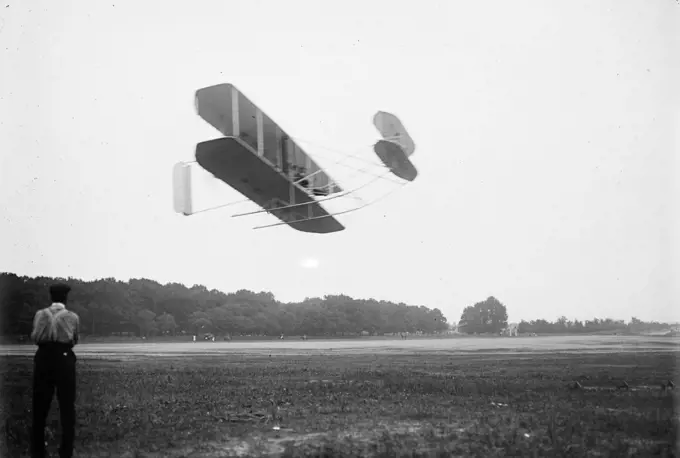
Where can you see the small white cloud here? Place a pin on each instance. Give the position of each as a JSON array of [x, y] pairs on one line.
[[309, 263]]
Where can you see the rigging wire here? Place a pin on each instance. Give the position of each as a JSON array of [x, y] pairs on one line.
[[336, 151], [339, 162], [318, 201], [338, 213]]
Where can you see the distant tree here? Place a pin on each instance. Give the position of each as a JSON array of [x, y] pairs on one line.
[[524, 327], [166, 323], [220, 320], [562, 324], [484, 317], [146, 323], [199, 321]]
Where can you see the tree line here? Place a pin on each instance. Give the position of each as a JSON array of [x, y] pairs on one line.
[[608, 325], [490, 317], [145, 307]]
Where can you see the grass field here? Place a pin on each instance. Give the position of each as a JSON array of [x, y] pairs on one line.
[[424, 397]]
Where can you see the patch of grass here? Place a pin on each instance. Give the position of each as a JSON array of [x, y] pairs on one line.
[[358, 405]]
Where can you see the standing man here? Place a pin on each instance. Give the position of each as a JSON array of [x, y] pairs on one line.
[[55, 331]]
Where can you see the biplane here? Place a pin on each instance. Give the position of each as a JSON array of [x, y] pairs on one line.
[[257, 158], [395, 147]]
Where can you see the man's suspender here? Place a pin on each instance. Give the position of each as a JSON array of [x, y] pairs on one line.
[[53, 322]]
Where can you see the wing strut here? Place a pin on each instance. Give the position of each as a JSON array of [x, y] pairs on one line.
[[284, 153]]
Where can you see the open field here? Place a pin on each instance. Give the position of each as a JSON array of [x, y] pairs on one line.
[[422, 397], [490, 345]]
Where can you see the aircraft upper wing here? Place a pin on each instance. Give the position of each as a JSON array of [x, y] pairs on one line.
[[226, 108]]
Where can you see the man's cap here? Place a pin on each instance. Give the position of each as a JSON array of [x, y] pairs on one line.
[[60, 288]]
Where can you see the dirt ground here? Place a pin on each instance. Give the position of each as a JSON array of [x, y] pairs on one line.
[[421, 397]]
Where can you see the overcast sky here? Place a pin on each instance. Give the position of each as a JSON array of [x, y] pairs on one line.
[[546, 136]]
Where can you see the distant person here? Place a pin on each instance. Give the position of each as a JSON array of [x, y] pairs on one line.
[[55, 331]]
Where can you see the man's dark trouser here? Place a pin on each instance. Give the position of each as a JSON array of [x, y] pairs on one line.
[[54, 367]]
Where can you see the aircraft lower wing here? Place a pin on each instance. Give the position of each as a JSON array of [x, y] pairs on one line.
[[234, 162]]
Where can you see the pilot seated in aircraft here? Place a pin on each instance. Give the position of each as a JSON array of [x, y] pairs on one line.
[[300, 177]]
